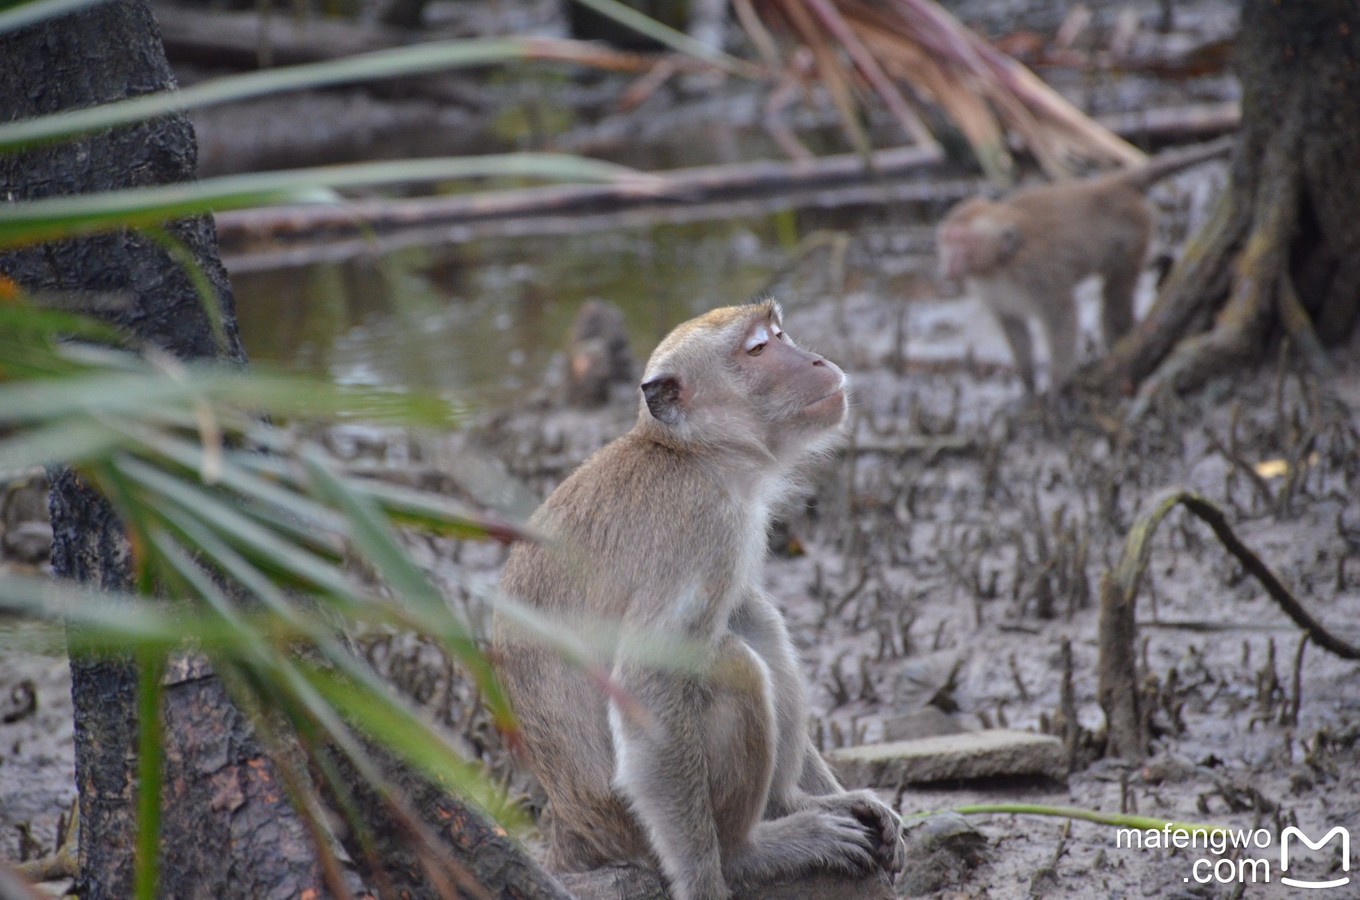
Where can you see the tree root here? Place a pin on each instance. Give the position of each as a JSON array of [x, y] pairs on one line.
[[1184, 305], [1299, 326], [62, 862], [1238, 265], [1118, 683], [1245, 319]]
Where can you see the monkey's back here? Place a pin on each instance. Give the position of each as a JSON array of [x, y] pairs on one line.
[[1079, 227], [603, 565]]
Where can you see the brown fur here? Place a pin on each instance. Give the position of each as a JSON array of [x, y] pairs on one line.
[[1025, 254], [705, 770]]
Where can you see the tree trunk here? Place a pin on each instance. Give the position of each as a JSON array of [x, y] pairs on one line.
[[226, 830], [1281, 254]]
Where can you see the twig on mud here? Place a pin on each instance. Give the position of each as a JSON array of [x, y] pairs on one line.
[[1207, 625], [1232, 453], [843, 600], [1019, 682], [1290, 715], [1049, 872], [1118, 681], [1268, 687], [1071, 732], [61, 862], [929, 446]]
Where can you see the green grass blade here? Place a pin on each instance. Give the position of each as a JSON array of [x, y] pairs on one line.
[[69, 441], [145, 393], [1099, 817], [438, 514], [39, 221], [248, 485], [664, 34], [260, 543], [110, 622], [193, 269], [114, 394], [21, 15], [396, 62], [412, 739], [150, 757], [373, 538]]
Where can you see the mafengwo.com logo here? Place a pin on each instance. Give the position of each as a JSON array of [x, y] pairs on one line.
[[1291, 834], [1242, 856]]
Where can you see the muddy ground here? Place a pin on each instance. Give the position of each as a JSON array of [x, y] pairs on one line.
[[944, 556]]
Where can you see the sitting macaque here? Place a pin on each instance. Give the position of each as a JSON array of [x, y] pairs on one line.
[[597, 356], [705, 771], [1025, 254]]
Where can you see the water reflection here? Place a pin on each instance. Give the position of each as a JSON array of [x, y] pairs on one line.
[[483, 319]]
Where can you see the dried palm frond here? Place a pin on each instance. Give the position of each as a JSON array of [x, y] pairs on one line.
[[877, 44]]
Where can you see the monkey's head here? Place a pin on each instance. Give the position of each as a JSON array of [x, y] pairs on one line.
[[975, 238], [733, 378]]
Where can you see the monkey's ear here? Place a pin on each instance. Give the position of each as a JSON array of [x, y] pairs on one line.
[[663, 394]]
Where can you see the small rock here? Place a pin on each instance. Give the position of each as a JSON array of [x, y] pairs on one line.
[[974, 754]]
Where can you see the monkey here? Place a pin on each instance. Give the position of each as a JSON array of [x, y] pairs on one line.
[[1024, 255], [597, 356], [709, 773]]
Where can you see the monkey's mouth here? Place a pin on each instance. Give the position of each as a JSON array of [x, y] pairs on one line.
[[833, 404]]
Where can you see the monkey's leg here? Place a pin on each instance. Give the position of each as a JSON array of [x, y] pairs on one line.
[[1016, 330], [1060, 328], [1117, 307], [695, 765]]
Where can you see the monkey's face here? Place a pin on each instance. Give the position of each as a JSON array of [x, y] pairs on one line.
[[733, 376], [790, 386], [974, 239]]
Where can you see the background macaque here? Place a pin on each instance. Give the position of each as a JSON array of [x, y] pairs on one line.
[[1025, 254], [708, 772], [597, 356]]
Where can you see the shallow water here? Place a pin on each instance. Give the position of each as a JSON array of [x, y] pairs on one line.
[[483, 319]]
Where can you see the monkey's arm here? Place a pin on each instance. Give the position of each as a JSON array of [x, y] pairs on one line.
[[661, 767], [802, 780]]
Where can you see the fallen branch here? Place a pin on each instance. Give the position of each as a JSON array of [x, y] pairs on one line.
[[246, 40], [724, 183], [1119, 684], [1194, 122]]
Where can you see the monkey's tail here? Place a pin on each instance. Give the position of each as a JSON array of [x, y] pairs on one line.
[[1172, 161]]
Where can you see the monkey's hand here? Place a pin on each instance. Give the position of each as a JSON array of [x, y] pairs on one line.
[[884, 826], [808, 840]]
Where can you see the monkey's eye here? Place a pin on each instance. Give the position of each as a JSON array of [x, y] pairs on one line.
[[779, 333], [755, 343]]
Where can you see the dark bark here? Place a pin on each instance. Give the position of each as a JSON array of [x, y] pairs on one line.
[[416, 841], [226, 830], [1281, 255]]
